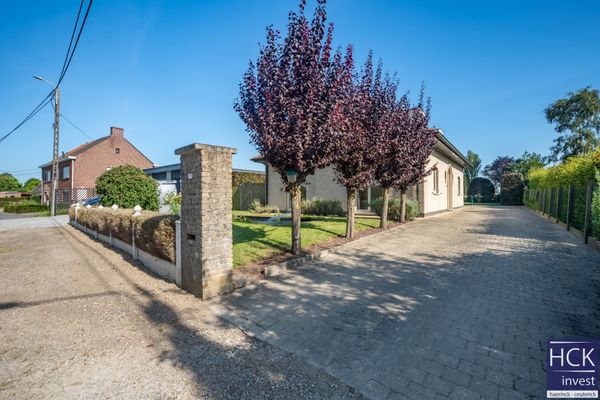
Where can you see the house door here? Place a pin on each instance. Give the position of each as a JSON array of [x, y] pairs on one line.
[[450, 186]]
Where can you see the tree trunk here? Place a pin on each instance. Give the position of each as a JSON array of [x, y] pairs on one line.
[[296, 211], [384, 210], [403, 205], [351, 207]]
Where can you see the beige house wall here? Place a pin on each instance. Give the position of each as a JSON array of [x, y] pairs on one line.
[[323, 185], [450, 191]]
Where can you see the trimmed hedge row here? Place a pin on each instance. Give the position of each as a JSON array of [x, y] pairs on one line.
[[394, 208], [154, 233], [511, 189], [576, 171], [24, 208], [322, 207]]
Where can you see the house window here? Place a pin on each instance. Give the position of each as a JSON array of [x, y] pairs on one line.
[[117, 150], [458, 185], [66, 172], [436, 180]]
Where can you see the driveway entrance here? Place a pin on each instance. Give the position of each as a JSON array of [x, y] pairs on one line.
[[455, 306]]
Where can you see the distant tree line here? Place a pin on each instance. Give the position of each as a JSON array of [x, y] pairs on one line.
[[9, 183]]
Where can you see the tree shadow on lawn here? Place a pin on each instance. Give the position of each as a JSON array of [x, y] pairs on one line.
[[371, 315], [221, 370]]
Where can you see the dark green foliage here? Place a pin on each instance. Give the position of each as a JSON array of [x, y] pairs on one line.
[[472, 172], [8, 183], [511, 189], [394, 208], [577, 120], [128, 186], [481, 190], [30, 184], [322, 207], [25, 208], [528, 162]]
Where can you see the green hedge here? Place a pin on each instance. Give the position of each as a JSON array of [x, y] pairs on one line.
[[322, 207], [25, 208], [511, 189], [394, 208], [545, 183]]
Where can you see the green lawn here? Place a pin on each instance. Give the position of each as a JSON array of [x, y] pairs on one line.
[[253, 242]]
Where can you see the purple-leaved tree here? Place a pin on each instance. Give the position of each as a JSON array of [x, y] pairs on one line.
[[405, 148], [293, 102], [355, 164]]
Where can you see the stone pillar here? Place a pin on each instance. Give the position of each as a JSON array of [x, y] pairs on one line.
[[206, 242]]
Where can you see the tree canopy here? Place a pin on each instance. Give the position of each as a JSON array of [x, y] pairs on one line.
[[498, 167], [9, 182], [577, 120], [30, 184], [128, 186], [527, 162]]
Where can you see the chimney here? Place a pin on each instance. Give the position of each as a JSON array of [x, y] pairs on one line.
[[117, 132]]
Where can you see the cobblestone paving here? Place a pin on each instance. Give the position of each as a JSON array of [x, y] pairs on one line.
[[457, 306]]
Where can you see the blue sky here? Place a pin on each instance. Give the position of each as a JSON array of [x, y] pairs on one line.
[[168, 71]]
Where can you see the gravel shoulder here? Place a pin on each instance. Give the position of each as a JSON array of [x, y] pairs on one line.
[[79, 320]]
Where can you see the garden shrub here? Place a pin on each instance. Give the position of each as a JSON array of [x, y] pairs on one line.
[[258, 208], [481, 190], [128, 186], [576, 171], [322, 207], [511, 189], [155, 234], [394, 208], [19, 208]]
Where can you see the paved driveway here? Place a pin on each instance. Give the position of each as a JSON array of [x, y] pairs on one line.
[[456, 306]]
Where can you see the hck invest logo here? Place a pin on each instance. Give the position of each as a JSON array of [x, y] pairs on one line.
[[572, 367]]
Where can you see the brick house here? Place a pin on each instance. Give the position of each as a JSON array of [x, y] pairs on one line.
[[79, 168]]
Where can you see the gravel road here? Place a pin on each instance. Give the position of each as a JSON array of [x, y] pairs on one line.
[[79, 320]]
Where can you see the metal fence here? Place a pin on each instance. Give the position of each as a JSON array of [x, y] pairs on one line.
[[246, 193], [572, 205], [66, 197]]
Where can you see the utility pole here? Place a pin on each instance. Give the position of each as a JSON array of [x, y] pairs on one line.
[[55, 150]]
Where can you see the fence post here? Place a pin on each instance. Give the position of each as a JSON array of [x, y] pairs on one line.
[[178, 252], [588, 211], [134, 252], [543, 202], [570, 206], [558, 201]]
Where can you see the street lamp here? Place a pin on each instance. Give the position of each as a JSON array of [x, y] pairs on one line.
[[55, 147]]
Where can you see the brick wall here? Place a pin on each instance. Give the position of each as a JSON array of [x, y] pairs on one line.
[[91, 163]]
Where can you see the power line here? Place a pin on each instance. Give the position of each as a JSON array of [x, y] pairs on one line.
[[36, 110], [67, 62], [72, 37], [66, 67]]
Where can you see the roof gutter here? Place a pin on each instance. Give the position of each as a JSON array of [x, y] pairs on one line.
[[59, 160]]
